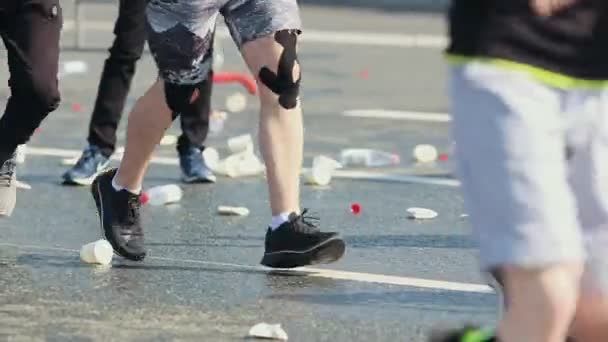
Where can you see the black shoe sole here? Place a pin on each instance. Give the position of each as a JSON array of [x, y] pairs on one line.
[[96, 192], [326, 252]]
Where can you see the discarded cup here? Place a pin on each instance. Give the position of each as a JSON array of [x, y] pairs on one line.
[[425, 153], [268, 331], [168, 140], [241, 143], [421, 213], [236, 102], [327, 162], [74, 67], [216, 121], [242, 164], [232, 211], [211, 157], [367, 157], [21, 153], [164, 194], [318, 176], [98, 252]]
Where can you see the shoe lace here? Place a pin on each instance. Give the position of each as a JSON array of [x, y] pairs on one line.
[[133, 213], [309, 224], [7, 170]]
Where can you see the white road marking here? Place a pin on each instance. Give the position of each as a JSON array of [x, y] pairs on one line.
[[314, 272], [398, 115], [388, 177], [345, 174], [414, 40]]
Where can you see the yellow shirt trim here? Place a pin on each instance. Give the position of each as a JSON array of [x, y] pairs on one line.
[[553, 79]]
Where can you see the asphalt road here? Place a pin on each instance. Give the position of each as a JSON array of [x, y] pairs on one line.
[[202, 281]]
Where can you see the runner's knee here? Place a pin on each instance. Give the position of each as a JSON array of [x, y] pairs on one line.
[[285, 81]]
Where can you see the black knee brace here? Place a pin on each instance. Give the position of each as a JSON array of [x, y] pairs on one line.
[[186, 98], [282, 83]]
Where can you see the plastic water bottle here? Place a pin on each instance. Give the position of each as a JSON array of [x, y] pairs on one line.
[[164, 194], [368, 157]]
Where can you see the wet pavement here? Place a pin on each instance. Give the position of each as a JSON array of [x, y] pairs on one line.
[[202, 281]]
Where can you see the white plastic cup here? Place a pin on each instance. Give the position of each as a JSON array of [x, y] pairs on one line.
[[326, 162], [241, 143], [425, 153], [211, 157], [318, 176], [164, 194], [236, 103], [98, 252]]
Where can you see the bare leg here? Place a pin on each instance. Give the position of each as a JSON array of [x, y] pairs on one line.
[[148, 121], [281, 130]]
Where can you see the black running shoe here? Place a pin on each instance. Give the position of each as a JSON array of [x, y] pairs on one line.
[[466, 334], [299, 242], [119, 215], [91, 163]]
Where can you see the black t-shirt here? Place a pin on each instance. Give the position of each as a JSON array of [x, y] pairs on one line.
[[573, 42]]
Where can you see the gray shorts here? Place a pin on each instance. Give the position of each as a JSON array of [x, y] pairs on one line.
[[533, 161], [180, 32]]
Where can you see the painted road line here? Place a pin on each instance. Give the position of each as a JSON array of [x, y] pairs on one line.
[[345, 174], [394, 178], [398, 115], [414, 40], [313, 272]]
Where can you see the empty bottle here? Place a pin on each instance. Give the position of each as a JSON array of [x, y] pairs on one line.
[[367, 157], [164, 194]]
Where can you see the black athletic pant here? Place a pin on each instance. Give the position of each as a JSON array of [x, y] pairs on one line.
[[119, 68], [30, 30]]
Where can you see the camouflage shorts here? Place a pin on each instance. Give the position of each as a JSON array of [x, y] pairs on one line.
[[180, 32]]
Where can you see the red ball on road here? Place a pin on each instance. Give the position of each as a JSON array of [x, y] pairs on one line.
[[355, 208]]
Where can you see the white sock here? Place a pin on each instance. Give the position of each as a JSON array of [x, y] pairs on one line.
[[118, 187], [278, 220]]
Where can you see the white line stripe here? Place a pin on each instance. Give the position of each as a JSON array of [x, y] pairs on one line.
[[398, 115], [65, 153], [387, 177], [345, 174], [317, 272], [415, 40]]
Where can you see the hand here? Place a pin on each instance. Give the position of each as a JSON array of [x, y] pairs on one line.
[[547, 8]]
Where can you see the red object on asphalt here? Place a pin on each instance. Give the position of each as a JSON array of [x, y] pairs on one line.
[[144, 197], [76, 107], [364, 74], [355, 208], [444, 157], [245, 80]]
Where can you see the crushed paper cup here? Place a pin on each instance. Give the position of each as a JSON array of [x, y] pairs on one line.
[[268, 331], [241, 143], [242, 164], [168, 140], [211, 157], [318, 176], [232, 211], [236, 102], [98, 252], [326, 162], [425, 153], [216, 121], [421, 213]]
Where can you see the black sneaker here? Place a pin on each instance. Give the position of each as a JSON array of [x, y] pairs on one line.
[[299, 242], [466, 334], [91, 163], [8, 185], [193, 166], [119, 215]]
